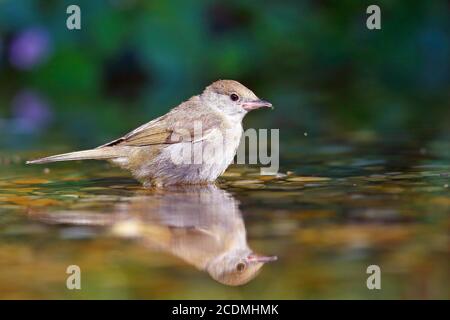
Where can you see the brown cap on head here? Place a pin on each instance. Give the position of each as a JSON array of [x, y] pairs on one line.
[[228, 87]]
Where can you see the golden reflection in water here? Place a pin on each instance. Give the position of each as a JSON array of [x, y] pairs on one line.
[[202, 225]]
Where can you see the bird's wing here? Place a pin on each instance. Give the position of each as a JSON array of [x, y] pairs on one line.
[[190, 121]]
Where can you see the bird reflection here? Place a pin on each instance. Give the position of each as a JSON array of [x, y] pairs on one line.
[[201, 225]]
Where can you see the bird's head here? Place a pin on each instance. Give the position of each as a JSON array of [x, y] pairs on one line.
[[237, 267], [232, 98]]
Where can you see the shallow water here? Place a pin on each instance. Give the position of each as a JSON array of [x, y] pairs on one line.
[[335, 209]]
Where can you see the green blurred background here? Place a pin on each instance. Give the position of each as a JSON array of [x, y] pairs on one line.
[[324, 71]]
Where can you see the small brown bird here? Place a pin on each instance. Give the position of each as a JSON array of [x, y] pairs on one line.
[[200, 224], [193, 143]]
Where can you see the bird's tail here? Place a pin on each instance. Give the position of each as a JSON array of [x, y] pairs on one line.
[[98, 154]]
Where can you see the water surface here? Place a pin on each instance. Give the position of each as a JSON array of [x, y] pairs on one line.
[[334, 209]]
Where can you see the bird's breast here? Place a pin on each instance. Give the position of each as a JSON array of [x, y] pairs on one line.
[[189, 162]]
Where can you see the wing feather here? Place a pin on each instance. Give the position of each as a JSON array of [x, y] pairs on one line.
[[179, 125]]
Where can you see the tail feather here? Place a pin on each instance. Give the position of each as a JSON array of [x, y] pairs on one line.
[[100, 153]]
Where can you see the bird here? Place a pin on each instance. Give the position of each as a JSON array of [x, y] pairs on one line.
[[201, 225], [193, 143]]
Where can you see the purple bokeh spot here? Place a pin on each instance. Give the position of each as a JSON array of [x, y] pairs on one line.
[[29, 48], [30, 111]]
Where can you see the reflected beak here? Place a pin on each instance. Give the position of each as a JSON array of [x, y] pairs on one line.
[[252, 105], [263, 259]]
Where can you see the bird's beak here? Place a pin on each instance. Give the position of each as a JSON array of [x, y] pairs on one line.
[[257, 258], [256, 104]]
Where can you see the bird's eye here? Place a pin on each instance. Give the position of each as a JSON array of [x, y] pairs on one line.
[[240, 266], [234, 97]]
